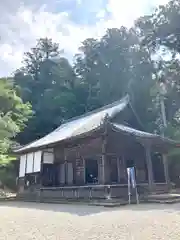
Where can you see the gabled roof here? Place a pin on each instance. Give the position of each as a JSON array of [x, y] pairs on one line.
[[78, 126]]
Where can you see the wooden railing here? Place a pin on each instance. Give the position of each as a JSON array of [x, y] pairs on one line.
[[86, 192]]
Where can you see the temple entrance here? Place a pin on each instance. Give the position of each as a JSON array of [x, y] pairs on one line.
[[47, 175], [70, 174], [130, 163], [50, 175], [158, 168], [91, 171], [113, 170]]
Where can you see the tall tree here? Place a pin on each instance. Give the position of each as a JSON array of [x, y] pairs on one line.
[[113, 66], [47, 81], [160, 31], [161, 28]]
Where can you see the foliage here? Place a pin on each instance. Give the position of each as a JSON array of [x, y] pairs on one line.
[[160, 32], [116, 65], [48, 83], [13, 116], [8, 175], [161, 28], [122, 61], [103, 71]]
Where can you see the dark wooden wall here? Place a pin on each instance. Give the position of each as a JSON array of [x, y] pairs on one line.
[[126, 149]]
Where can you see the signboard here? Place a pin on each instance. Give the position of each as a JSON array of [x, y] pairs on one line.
[[131, 177], [132, 183]]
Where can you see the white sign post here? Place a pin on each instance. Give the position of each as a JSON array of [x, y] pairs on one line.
[[129, 186], [132, 183]]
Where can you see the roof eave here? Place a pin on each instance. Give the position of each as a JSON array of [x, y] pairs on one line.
[[65, 141]]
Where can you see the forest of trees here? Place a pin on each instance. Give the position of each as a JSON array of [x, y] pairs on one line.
[[46, 90]]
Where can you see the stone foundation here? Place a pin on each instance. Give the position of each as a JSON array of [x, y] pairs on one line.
[[119, 191]]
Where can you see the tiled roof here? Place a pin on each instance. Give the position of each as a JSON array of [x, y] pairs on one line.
[[78, 126], [140, 134]]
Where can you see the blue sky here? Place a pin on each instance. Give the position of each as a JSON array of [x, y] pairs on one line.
[[68, 22]]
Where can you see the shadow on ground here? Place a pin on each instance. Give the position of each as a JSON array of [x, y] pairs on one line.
[[84, 210], [75, 209]]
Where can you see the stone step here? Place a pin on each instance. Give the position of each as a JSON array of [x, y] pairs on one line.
[[93, 202], [114, 202], [163, 198], [163, 201]]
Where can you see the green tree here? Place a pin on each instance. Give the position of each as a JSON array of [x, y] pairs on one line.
[[161, 28], [113, 66], [48, 82], [14, 115], [160, 32]]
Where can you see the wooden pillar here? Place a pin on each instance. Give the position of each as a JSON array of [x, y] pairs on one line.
[[119, 169], [149, 168], [102, 163], [80, 170], [166, 170], [122, 170], [83, 171], [41, 169], [65, 168], [103, 160], [101, 168]]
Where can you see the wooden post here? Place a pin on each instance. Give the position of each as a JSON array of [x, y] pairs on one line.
[[84, 170], [65, 168], [41, 170], [119, 169], [166, 170], [102, 166], [80, 170], [150, 168]]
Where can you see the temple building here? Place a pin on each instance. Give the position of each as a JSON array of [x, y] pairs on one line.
[[89, 155]]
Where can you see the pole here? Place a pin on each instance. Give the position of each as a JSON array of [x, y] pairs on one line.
[[164, 120], [163, 113], [137, 196], [129, 186], [163, 92]]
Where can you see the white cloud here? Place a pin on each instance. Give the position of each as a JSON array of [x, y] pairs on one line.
[[125, 12], [20, 27]]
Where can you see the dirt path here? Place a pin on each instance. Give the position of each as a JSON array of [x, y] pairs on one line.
[[70, 222]]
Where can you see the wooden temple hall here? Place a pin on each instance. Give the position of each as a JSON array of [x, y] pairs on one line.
[[90, 154]]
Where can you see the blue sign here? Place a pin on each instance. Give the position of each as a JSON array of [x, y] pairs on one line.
[[131, 176], [132, 180]]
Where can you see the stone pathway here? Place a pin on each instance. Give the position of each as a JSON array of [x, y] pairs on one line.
[[20, 221]]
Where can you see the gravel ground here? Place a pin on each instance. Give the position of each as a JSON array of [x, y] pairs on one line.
[[25, 221]]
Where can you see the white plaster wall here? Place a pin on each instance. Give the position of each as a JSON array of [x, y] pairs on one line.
[[22, 166], [29, 166], [37, 161]]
